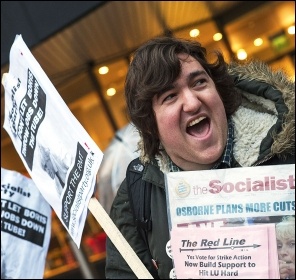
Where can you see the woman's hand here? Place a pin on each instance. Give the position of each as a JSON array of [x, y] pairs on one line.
[[287, 269]]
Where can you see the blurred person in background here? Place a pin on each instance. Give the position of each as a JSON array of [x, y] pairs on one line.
[[285, 237], [120, 152]]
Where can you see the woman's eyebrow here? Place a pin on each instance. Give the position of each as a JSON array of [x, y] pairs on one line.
[[196, 74], [191, 76], [164, 90]]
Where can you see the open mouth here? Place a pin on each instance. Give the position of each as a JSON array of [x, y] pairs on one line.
[[198, 127]]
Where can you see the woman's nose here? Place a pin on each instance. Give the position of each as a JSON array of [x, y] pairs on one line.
[[190, 101], [283, 251]]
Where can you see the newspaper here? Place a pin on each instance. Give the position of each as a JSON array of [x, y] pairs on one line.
[[57, 152], [223, 222], [25, 227]]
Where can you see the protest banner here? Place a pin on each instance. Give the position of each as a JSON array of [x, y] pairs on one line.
[[57, 152], [60, 156], [25, 227], [222, 222]]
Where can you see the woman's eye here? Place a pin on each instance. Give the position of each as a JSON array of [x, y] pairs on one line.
[[168, 97], [199, 82]]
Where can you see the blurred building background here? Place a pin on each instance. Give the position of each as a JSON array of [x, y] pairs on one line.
[[74, 41], [85, 47]]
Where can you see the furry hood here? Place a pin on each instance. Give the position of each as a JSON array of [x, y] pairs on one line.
[[272, 93], [268, 96]]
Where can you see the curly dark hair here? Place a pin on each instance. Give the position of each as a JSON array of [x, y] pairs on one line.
[[154, 67]]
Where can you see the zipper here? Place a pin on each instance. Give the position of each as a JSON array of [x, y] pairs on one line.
[[268, 157]]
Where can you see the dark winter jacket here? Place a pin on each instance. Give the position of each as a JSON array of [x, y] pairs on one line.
[[264, 134]]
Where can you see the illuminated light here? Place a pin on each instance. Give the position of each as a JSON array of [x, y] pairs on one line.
[[258, 42], [241, 54], [217, 37], [103, 70], [279, 41], [194, 33], [291, 29], [111, 91]]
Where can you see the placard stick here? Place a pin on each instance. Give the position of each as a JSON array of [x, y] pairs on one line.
[[118, 240]]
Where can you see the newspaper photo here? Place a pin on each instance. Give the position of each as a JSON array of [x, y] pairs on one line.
[[58, 153], [234, 223], [25, 227]]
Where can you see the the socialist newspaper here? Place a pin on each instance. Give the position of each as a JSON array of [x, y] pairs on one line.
[[223, 222], [25, 227], [57, 152]]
